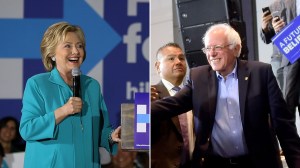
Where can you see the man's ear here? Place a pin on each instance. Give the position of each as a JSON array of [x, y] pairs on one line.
[[157, 63], [237, 49]]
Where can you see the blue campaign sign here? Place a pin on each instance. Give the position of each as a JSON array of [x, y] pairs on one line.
[[29, 32], [142, 121], [127, 66], [288, 40], [117, 42]]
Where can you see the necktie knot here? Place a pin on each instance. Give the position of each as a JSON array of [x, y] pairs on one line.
[[176, 88]]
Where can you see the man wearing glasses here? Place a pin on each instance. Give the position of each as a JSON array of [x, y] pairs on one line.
[[238, 109]]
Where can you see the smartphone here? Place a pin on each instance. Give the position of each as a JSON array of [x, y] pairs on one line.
[[266, 9], [276, 19], [276, 14]]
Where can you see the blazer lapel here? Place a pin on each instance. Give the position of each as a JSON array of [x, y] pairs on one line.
[[212, 96], [163, 92], [243, 77]]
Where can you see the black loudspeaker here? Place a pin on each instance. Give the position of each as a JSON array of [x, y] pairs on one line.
[[240, 27], [196, 16], [196, 58], [192, 37], [202, 11]]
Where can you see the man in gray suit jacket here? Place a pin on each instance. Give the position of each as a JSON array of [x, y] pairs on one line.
[[238, 109], [287, 74]]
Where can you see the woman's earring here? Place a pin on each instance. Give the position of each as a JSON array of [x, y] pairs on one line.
[[53, 58]]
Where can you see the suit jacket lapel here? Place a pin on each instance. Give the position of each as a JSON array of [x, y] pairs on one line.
[[243, 77], [163, 92], [212, 96]]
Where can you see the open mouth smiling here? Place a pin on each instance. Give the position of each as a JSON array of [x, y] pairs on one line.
[[216, 60], [74, 59]]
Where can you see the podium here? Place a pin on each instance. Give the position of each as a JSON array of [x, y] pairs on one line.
[[135, 123], [127, 123]]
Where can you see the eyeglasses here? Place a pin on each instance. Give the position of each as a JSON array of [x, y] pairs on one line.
[[216, 48]]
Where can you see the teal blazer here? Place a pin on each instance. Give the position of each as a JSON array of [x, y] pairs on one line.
[[73, 143]]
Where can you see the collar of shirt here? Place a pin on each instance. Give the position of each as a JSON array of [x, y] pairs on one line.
[[169, 86], [232, 73]]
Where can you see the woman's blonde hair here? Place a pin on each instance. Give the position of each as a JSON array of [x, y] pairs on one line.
[[55, 34]]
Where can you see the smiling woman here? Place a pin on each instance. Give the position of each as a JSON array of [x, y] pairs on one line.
[[62, 130], [68, 39]]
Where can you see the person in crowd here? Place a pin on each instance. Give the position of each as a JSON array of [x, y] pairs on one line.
[[172, 139], [238, 108], [287, 74], [3, 163], [128, 159], [61, 130], [9, 135], [124, 159]]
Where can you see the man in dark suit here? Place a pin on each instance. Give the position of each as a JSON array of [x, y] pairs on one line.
[[169, 142], [238, 109]]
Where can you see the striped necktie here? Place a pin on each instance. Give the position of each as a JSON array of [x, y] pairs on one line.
[[176, 88]]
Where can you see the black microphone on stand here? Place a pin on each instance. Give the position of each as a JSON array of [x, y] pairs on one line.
[[76, 82]]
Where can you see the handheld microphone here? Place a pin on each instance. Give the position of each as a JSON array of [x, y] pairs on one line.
[[76, 82]]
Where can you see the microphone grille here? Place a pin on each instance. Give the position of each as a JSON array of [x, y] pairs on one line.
[[76, 72]]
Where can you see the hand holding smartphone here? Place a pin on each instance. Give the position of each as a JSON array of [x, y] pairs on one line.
[[266, 19], [266, 9], [276, 15]]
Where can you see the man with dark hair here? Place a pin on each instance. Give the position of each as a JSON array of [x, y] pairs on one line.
[[171, 139]]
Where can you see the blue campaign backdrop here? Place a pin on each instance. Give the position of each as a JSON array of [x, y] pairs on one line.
[[117, 47]]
